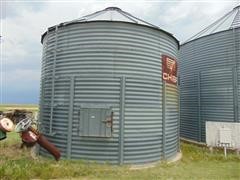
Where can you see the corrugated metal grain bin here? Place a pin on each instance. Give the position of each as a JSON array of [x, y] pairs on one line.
[[210, 76], [102, 93]]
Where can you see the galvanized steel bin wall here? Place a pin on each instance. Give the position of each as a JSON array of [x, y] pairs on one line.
[[109, 70], [210, 82]]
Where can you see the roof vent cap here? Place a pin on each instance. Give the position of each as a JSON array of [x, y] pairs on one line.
[[113, 8]]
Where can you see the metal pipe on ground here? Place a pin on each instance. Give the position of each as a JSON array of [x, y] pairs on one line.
[[43, 142]]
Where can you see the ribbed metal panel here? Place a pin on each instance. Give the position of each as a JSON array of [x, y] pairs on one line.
[[237, 57], [209, 82], [143, 120], [116, 65], [171, 132]]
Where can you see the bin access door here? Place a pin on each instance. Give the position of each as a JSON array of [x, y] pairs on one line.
[[96, 121]]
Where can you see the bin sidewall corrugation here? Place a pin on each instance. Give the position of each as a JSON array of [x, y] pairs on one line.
[[212, 63], [98, 55]]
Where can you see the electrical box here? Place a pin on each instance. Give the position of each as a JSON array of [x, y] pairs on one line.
[[96, 122], [224, 134]]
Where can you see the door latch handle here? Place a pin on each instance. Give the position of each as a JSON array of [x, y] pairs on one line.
[[109, 121]]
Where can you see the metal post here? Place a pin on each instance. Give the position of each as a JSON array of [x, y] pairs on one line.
[[199, 108], [41, 105], [163, 118], [53, 81], [225, 151], [70, 117], [43, 80], [235, 78], [121, 119], [179, 115], [235, 94]]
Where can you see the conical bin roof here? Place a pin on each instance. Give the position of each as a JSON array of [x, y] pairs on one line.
[[111, 14], [230, 20]]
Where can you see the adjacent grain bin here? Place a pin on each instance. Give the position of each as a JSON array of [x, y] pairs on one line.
[[102, 93], [210, 76]]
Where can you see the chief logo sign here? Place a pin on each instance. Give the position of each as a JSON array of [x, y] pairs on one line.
[[169, 69]]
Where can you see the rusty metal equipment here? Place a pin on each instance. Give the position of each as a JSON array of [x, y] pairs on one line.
[[6, 125], [24, 125], [43, 142]]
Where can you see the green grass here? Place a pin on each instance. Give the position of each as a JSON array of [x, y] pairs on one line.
[[6, 107], [197, 163]]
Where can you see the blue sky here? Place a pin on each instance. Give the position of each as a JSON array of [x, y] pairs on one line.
[[23, 23]]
